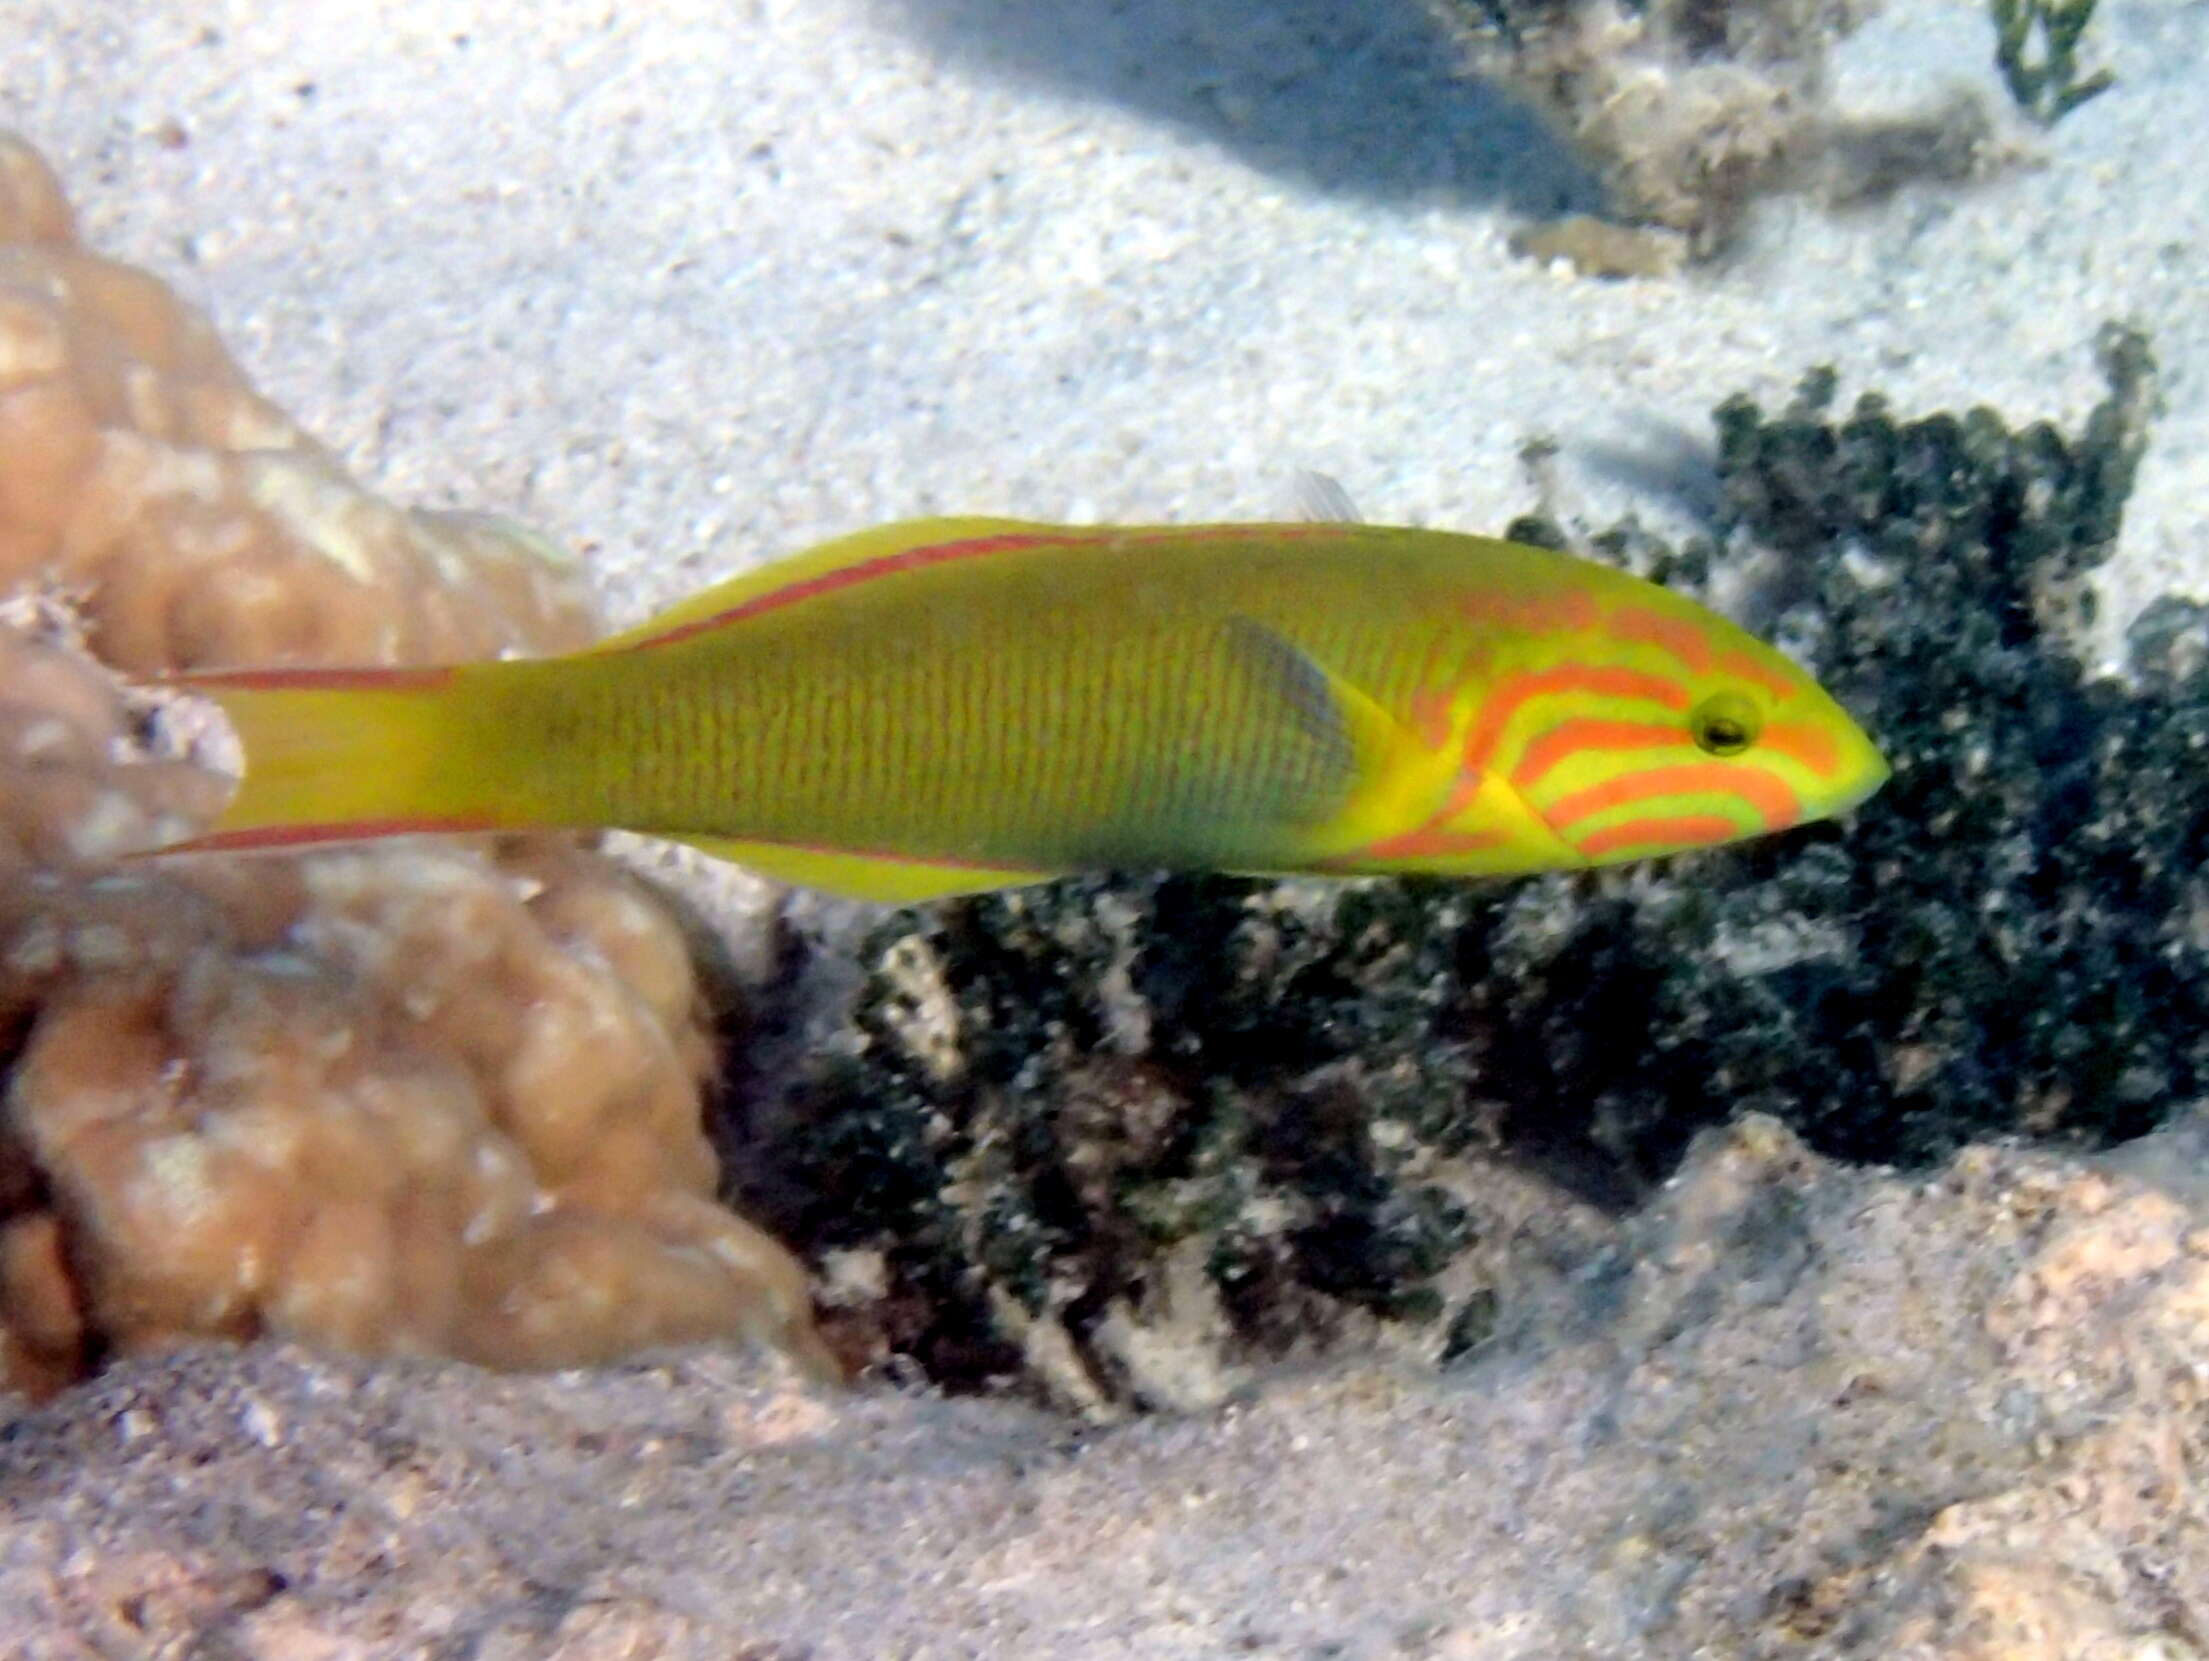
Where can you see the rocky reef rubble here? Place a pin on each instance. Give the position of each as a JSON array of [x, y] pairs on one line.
[[1791, 1408]]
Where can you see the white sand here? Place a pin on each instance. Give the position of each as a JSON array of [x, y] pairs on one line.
[[694, 281]]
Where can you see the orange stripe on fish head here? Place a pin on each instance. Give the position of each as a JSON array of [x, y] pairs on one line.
[[1748, 795], [1524, 724], [1659, 729], [1520, 705], [1659, 798], [1634, 776], [1657, 833], [1691, 644], [1555, 612]]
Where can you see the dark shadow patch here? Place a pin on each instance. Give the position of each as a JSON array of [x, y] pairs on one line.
[[1350, 97]]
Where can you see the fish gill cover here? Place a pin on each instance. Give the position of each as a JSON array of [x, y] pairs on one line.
[[1070, 1129]]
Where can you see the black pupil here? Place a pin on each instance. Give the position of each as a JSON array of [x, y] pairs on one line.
[[1722, 732]]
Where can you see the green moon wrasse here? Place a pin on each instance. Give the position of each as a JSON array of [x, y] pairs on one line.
[[950, 705]]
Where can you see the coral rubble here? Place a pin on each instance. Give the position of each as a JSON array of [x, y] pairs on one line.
[[1074, 1130], [430, 1098], [1688, 110]]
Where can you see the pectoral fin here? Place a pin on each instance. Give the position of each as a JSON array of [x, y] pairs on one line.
[[1386, 778]]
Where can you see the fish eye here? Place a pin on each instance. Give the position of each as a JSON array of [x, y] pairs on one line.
[[1725, 724]]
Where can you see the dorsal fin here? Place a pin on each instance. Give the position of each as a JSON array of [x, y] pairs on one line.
[[1321, 500], [891, 547]]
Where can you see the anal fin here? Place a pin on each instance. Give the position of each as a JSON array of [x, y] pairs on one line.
[[879, 877]]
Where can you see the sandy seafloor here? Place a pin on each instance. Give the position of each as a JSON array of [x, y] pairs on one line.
[[686, 284]]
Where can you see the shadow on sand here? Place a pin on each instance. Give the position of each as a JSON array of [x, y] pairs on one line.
[[1354, 97]]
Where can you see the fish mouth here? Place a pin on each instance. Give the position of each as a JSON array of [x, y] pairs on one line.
[[1858, 773], [1873, 772]]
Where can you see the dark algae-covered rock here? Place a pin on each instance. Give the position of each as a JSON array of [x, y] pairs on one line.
[[1111, 1107], [1088, 1131]]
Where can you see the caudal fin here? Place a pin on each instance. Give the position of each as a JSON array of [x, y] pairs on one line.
[[337, 755]]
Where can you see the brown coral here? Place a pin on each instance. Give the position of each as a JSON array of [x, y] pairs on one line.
[[197, 523], [429, 1098]]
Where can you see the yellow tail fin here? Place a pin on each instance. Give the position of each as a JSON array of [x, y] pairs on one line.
[[334, 755]]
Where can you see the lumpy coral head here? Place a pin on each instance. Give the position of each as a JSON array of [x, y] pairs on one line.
[[431, 1099]]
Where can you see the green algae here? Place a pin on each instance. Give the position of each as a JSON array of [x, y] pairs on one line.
[[2036, 46]]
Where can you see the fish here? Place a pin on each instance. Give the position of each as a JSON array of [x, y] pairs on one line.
[[954, 705]]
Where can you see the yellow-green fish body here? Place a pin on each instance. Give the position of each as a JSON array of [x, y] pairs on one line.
[[949, 705]]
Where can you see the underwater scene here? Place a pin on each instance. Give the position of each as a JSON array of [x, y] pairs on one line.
[[848, 829]]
